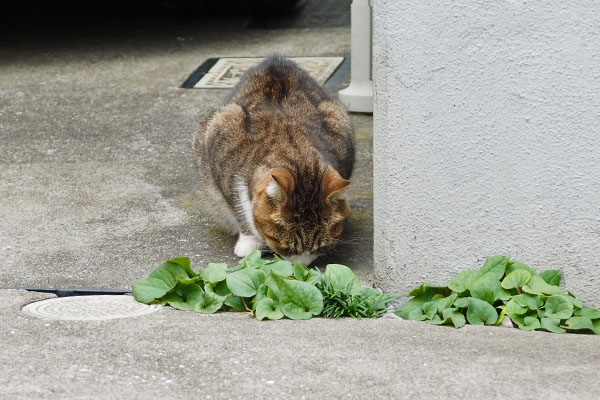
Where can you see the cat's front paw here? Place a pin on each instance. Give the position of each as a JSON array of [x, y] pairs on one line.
[[246, 244]]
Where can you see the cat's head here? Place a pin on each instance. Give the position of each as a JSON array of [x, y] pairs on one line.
[[300, 219]]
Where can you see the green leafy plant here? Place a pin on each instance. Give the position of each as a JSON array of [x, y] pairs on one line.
[[268, 289], [502, 288]]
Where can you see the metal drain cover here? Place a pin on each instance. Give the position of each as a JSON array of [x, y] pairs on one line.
[[88, 308]]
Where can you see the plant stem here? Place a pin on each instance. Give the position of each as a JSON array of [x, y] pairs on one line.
[[518, 291], [246, 306]]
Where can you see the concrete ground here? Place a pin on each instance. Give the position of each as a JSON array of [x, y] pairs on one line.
[[176, 354], [98, 186]]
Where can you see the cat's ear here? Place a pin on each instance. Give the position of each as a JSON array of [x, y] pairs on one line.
[[279, 184], [333, 185]]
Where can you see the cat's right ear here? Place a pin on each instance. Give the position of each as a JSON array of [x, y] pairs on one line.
[[278, 184]]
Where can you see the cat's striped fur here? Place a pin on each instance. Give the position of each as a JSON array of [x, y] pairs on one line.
[[276, 159]]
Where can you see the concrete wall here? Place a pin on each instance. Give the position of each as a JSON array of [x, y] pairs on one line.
[[487, 138]]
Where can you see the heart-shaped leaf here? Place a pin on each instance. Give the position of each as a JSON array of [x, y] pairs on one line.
[[281, 267], [514, 308], [487, 288], [457, 318], [443, 303], [517, 278], [551, 325], [213, 273], [463, 280], [591, 313], [300, 300], [341, 278], [531, 301], [481, 312], [245, 282], [558, 307], [267, 308], [530, 323], [579, 322], [537, 285], [162, 280]]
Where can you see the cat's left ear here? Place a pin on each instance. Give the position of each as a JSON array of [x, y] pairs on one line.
[[333, 185], [279, 184]]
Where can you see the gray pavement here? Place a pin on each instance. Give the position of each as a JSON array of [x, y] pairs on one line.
[[98, 186], [174, 354]]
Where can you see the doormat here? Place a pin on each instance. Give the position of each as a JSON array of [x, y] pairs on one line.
[[225, 72]]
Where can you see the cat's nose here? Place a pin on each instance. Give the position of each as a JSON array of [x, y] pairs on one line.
[[304, 258]]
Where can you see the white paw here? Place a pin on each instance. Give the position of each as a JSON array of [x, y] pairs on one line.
[[246, 244]]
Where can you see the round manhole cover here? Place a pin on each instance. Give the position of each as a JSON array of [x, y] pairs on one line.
[[88, 308]]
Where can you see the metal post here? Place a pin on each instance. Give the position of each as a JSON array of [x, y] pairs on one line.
[[359, 95]]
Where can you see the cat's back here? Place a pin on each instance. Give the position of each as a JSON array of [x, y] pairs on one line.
[[279, 82]]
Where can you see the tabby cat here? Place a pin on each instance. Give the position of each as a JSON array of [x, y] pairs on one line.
[[275, 160]]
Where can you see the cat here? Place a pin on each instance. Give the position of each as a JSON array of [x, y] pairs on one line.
[[276, 159]]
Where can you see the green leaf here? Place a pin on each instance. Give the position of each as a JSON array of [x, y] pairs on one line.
[[423, 294], [579, 322], [513, 308], [213, 273], [591, 313], [486, 288], [221, 288], [551, 325], [245, 282], [445, 302], [341, 278], [464, 280], [300, 271], [183, 262], [162, 280], [428, 290], [517, 278], [429, 310], [495, 265], [531, 301], [274, 282], [235, 302], [481, 312], [267, 308], [551, 276], [515, 265], [210, 303], [576, 303], [558, 307], [457, 318], [596, 324], [252, 260], [280, 267], [537, 285], [192, 297], [300, 300], [314, 276], [415, 314], [530, 323], [463, 302]]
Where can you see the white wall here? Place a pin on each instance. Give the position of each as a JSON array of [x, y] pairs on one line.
[[487, 138]]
